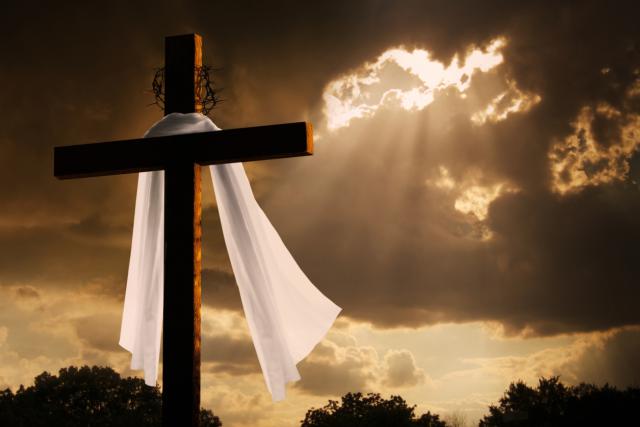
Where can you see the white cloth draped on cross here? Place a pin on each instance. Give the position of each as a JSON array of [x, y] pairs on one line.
[[287, 315]]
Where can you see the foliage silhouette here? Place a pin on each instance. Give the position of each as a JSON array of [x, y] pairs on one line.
[[356, 410], [98, 396], [87, 396], [554, 404]]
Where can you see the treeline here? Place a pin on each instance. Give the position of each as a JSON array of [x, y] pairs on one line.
[[87, 396], [550, 404], [99, 396]]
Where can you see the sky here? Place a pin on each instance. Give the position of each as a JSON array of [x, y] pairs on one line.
[[473, 203]]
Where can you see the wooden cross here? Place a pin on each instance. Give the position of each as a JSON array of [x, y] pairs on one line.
[[181, 157]]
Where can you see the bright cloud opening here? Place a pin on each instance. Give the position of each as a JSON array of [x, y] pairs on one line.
[[361, 93], [476, 199]]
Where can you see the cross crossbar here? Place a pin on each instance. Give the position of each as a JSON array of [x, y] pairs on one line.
[[204, 148]]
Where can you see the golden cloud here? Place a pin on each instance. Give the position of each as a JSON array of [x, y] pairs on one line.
[[583, 159], [364, 91]]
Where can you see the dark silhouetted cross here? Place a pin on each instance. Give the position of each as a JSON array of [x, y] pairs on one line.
[[181, 157]]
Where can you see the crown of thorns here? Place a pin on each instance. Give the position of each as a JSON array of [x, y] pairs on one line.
[[205, 94]]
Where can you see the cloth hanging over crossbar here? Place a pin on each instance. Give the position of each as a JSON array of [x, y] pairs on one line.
[[287, 315]]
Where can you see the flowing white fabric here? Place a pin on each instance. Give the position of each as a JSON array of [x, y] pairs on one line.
[[287, 315]]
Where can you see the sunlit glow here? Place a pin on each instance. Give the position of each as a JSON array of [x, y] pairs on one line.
[[634, 89], [361, 93], [476, 199], [444, 181], [471, 197], [579, 160], [512, 100]]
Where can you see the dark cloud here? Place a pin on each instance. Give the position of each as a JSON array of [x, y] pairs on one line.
[[232, 355], [63, 256], [616, 364], [333, 372], [99, 332], [573, 258], [219, 289]]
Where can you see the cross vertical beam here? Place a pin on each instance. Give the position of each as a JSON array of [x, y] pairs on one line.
[[182, 60], [182, 247]]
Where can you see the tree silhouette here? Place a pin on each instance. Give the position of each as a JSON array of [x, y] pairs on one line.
[[87, 396], [99, 397], [554, 404], [356, 410]]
